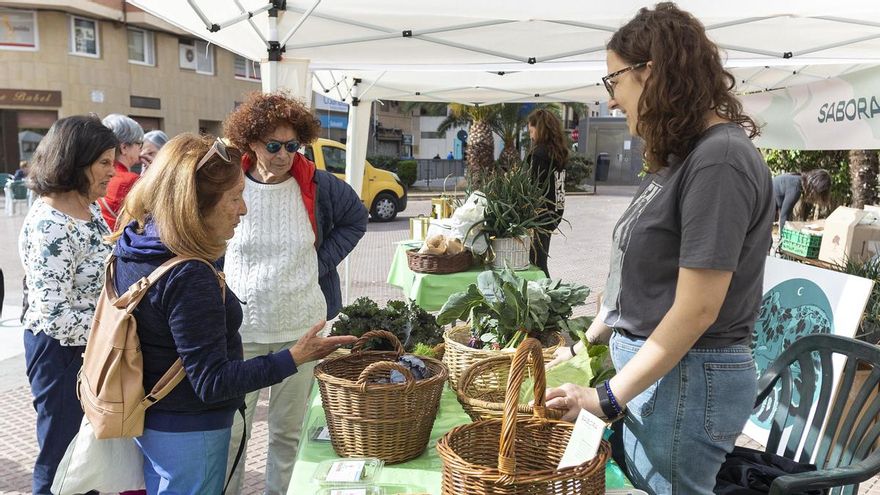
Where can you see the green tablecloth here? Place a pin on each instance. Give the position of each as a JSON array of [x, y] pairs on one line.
[[420, 475], [430, 291]]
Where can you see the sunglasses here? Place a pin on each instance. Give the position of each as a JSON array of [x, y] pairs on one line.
[[607, 80], [275, 146], [218, 149]]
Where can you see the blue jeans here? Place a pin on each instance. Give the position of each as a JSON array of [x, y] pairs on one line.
[[184, 463], [52, 369], [677, 432]]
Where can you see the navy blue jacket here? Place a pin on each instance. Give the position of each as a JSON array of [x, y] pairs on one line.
[[184, 315], [341, 220]]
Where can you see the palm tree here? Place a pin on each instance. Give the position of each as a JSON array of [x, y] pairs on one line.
[[480, 145], [864, 169]]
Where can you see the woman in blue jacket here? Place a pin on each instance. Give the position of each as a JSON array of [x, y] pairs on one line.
[[189, 205]]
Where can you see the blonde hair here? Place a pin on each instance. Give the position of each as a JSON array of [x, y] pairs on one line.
[[176, 197]]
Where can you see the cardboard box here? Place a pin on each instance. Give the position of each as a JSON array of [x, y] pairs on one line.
[[846, 238]]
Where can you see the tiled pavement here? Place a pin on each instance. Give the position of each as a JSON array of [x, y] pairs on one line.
[[582, 254]]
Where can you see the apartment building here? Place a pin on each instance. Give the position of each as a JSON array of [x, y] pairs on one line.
[[72, 57]]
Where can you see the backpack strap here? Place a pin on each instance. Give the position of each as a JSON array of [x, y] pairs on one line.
[[132, 297]]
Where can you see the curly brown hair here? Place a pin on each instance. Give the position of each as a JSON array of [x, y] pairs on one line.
[[262, 113], [686, 82], [548, 132]]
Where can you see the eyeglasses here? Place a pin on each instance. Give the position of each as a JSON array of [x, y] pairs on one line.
[[275, 146], [607, 79], [218, 149]]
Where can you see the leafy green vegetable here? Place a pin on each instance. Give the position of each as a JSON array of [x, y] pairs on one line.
[[423, 349], [509, 308], [408, 321]]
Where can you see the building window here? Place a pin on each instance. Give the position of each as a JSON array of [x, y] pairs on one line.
[[141, 47], [247, 69], [433, 135], [84, 37], [18, 30], [204, 58]]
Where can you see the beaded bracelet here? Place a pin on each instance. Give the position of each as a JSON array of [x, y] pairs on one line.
[[617, 409]]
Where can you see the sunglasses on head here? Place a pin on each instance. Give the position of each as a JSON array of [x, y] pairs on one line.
[[219, 149], [275, 146], [609, 79]]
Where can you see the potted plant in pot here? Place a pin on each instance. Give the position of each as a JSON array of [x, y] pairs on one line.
[[501, 310], [515, 209]]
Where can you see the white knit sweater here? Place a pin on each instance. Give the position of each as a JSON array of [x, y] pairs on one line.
[[272, 265]]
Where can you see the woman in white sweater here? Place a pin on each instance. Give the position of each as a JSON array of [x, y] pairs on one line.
[[282, 261]]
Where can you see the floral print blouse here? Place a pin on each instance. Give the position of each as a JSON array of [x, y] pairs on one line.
[[63, 260]]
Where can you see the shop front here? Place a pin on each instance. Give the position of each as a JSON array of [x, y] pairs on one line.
[[25, 117]]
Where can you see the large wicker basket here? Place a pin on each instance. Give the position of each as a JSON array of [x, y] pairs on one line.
[[481, 390], [391, 421], [459, 356], [513, 455], [439, 263]]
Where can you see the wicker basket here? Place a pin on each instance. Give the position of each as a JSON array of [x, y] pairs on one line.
[[391, 421], [513, 455], [459, 356], [481, 391], [439, 263]]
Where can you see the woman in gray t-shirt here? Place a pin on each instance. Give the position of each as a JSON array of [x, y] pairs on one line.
[[687, 260]]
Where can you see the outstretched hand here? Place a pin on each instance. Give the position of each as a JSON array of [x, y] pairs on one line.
[[311, 346]]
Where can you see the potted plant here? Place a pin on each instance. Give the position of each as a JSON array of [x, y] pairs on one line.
[[501, 309], [515, 209]]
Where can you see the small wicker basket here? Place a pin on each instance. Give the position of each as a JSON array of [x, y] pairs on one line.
[[481, 390], [439, 263], [459, 356], [391, 421], [513, 455]]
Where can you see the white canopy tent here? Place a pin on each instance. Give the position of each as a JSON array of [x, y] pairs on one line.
[[490, 51]]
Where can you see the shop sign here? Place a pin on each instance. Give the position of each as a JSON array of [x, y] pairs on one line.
[[30, 98]]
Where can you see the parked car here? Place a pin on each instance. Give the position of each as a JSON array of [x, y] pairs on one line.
[[383, 192]]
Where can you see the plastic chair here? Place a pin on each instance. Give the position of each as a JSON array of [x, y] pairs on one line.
[[16, 191], [844, 451], [4, 178]]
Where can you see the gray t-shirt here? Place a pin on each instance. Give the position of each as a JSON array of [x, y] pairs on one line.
[[713, 210]]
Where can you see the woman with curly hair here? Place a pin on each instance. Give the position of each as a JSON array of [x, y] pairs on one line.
[[302, 223], [687, 263], [547, 159]]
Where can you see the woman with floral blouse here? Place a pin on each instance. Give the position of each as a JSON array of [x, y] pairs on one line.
[[62, 248]]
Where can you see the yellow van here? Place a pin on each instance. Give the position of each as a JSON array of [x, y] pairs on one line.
[[384, 193]]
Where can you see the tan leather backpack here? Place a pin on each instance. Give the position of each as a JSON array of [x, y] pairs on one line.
[[111, 382]]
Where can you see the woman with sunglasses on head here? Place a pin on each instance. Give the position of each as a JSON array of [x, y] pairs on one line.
[[282, 261], [189, 205], [687, 262]]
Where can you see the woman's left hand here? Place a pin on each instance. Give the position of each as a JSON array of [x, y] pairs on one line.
[[572, 398]]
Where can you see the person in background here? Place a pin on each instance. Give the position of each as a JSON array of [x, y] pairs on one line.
[[687, 262], [814, 186], [153, 142], [22, 171], [282, 261], [128, 154], [189, 205], [546, 159], [450, 156], [437, 156], [62, 249]]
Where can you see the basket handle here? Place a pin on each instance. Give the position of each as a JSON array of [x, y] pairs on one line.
[[381, 366], [529, 348], [378, 334]]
